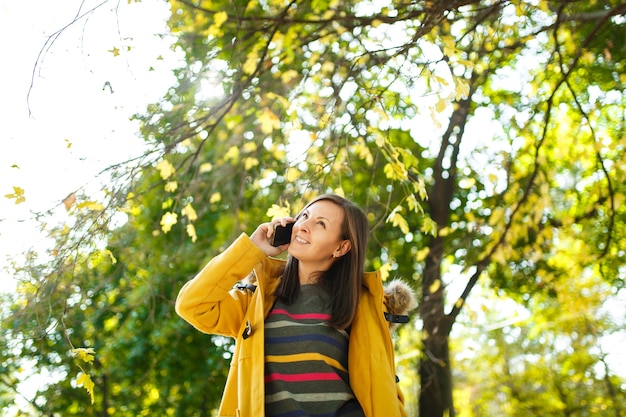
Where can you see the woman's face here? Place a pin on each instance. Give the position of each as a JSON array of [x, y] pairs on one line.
[[316, 238]]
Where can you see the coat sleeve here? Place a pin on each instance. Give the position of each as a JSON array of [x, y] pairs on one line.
[[209, 302]]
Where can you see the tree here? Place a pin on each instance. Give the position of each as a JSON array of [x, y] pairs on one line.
[[387, 104]]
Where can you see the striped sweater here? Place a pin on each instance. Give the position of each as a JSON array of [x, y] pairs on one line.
[[306, 361]]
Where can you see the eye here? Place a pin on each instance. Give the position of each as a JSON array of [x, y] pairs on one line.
[[321, 223]]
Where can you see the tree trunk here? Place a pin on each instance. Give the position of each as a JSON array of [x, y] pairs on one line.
[[435, 374]]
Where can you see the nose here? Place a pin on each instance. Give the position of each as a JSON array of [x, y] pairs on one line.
[[303, 225]]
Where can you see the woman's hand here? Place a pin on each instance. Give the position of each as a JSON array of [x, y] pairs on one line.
[[262, 236]]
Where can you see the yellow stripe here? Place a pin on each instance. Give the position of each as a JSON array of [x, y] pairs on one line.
[[299, 357]]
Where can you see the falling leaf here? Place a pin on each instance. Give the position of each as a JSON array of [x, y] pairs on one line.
[[115, 51], [18, 195]]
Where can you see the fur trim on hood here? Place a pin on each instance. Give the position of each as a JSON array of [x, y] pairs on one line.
[[399, 299]]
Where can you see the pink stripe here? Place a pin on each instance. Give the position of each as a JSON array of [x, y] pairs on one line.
[[319, 376], [305, 316]]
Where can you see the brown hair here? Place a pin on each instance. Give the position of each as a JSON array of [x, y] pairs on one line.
[[344, 278]]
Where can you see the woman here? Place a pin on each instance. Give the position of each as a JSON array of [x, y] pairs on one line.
[[311, 336]]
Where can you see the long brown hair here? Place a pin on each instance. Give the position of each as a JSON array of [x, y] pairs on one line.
[[344, 278]]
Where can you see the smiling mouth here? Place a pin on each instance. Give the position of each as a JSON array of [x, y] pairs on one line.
[[300, 240]]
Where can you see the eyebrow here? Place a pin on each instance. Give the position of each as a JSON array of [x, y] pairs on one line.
[[307, 211]]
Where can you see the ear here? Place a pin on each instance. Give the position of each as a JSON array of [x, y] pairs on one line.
[[344, 247]]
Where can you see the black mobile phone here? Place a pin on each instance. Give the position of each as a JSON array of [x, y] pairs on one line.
[[282, 234]]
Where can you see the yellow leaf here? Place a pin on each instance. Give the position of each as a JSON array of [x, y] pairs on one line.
[[85, 381], [432, 288], [288, 75], [328, 67], [292, 174], [215, 197], [422, 254], [269, 121], [115, 51], [168, 220], [395, 171], [189, 212], [385, 269], [90, 205], [429, 226], [166, 169], [250, 163], [166, 204], [18, 195], [249, 147], [219, 18], [191, 231], [398, 220], [171, 186], [496, 216], [276, 211], [111, 256], [462, 89], [84, 354], [250, 66], [206, 167], [441, 105], [232, 154]]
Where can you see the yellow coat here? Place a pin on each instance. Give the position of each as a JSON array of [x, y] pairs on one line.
[[212, 305]]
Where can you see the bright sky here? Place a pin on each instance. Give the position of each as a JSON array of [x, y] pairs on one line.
[[70, 101]]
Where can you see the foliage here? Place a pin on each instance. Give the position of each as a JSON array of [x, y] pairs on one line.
[[481, 137], [549, 360]]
